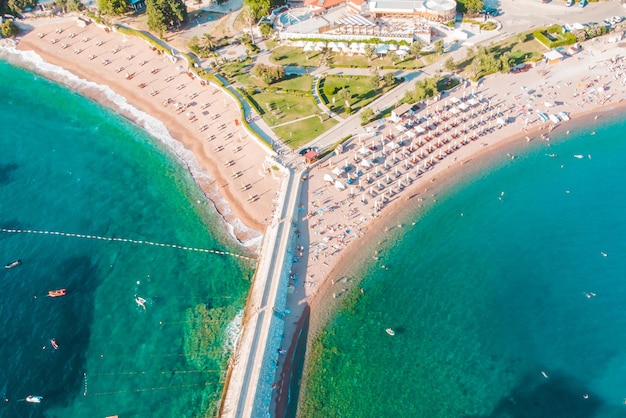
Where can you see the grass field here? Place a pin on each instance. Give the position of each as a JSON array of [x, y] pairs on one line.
[[289, 55], [282, 108], [360, 88], [299, 133]]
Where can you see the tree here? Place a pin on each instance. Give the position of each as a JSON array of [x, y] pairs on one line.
[[345, 95], [9, 29], [470, 6], [375, 80], [165, 14], [366, 115], [450, 65], [112, 7], [268, 73], [395, 58], [257, 8], [439, 46], [389, 79], [208, 40], [15, 7], [416, 47], [266, 30], [476, 67], [505, 62], [370, 51]]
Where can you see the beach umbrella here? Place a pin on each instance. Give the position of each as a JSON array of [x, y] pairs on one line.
[[329, 178], [339, 185]]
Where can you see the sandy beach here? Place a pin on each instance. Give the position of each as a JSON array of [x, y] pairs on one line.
[[204, 119], [473, 139], [353, 201]]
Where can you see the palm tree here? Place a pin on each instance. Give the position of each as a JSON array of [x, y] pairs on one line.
[[209, 41]]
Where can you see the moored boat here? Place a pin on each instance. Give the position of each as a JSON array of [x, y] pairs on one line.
[[34, 399], [390, 331], [56, 293], [12, 264]]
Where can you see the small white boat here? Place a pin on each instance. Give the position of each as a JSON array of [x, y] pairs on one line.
[[544, 374], [34, 399], [390, 331], [554, 118], [12, 264], [564, 116], [579, 156], [141, 302]]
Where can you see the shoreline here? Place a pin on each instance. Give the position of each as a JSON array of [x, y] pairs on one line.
[[317, 277], [502, 145], [244, 223]]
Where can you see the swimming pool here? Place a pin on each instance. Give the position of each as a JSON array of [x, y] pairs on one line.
[[294, 16]]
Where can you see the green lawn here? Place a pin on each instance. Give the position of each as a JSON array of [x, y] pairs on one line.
[[291, 55], [297, 134], [295, 82], [360, 90], [281, 108]]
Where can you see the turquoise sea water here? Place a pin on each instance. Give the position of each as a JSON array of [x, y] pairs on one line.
[[68, 164], [517, 271]]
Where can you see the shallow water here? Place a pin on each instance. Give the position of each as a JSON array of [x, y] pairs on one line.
[[516, 271], [70, 165]]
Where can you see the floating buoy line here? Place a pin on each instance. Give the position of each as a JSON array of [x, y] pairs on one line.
[[129, 240]]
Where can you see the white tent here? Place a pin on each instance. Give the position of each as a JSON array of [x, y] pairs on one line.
[[400, 127], [455, 100], [364, 151], [329, 178], [382, 49], [339, 185], [308, 47], [454, 111], [366, 163], [338, 171], [392, 145], [401, 53], [463, 107], [419, 130]]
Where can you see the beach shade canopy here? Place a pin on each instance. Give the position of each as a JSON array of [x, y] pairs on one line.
[[339, 185], [501, 121], [338, 171], [463, 106], [455, 100], [366, 163], [410, 134], [393, 145], [400, 127], [364, 151], [382, 49], [472, 102], [329, 178], [419, 130], [455, 111]]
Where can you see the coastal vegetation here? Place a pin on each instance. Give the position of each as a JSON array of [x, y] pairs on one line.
[[15, 7], [9, 29]]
